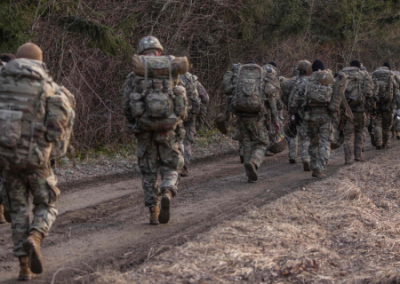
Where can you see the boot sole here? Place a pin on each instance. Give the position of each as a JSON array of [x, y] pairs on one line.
[[164, 215], [35, 257], [26, 278], [252, 173]]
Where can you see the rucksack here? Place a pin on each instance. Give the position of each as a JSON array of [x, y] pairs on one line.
[[271, 78], [157, 100], [190, 83], [248, 93], [354, 90], [229, 80], [319, 88], [33, 116], [60, 116], [384, 79]]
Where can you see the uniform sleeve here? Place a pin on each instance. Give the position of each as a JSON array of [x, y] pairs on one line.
[[292, 99], [271, 105], [202, 94], [127, 89]]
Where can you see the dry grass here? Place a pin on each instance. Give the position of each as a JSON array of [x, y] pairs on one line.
[[344, 229]]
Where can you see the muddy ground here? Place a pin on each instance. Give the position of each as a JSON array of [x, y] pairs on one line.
[[103, 222]]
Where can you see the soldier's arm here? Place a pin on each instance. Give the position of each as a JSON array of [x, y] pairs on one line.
[[292, 99], [127, 89], [271, 105], [203, 95]]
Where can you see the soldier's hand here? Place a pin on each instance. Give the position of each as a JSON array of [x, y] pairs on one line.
[[277, 126]]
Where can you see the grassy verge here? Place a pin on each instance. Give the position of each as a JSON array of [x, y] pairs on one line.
[[344, 229]]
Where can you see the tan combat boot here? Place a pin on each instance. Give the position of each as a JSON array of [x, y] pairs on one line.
[[318, 175], [2, 219], [154, 212], [32, 248], [25, 274], [163, 218], [251, 172], [184, 171]]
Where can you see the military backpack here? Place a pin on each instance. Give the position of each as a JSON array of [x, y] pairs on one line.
[[385, 80], [318, 91], [248, 93], [36, 115], [157, 101]]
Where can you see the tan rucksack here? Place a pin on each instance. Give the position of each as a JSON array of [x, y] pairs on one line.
[[33, 115], [271, 78], [384, 79], [319, 88], [60, 121], [157, 100], [248, 94]]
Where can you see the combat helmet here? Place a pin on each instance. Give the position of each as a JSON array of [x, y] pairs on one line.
[[149, 42], [304, 66]]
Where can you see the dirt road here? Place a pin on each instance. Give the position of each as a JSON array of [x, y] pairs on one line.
[[104, 223]]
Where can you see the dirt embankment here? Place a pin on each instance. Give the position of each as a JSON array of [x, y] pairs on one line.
[[344, 229]]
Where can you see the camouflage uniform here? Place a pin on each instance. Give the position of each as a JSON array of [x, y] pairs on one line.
[[30, 173], [273, 90], [17, 185], [251, 129], [319, 127], [156, 151], [253, 138], [384, 119], [360, 86], [301, 126], [190, 124]]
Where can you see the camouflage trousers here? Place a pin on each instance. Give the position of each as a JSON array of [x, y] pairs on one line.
[[302, 139], [159, 152], [253, 137], [337, 135], [319, 130], [190, 128], [382, 125], [16, 188], [354, 137]]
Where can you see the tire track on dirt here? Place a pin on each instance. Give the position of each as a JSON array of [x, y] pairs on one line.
[[106, 224]]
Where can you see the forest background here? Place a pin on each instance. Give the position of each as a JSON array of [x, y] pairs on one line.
[[88, 44]]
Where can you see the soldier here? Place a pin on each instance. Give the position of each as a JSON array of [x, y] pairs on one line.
[[154, 106], [36, 118], [247, 98], [387, 91], [296, 128], [396, 110], [358, 90], [4, 58], [315, 94], [273, 90], [197, 97]]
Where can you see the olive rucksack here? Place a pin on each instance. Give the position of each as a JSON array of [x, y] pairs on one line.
[[248, 93], [319, 88], [157, 100], [384, 79], [34, 115], [190, 83]]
